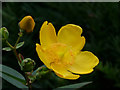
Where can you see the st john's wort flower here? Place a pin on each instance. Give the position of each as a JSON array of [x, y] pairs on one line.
[[62, 52]]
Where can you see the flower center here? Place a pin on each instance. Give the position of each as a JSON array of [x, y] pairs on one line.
[[60, 53], [56, 51]]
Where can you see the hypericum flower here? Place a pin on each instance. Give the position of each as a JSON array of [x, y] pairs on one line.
[[62, 52], [27, 24]]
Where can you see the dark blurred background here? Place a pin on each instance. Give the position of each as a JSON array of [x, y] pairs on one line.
[[100, 23]]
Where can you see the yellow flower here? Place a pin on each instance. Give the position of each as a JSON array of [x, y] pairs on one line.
[[62, 52], [27, 24]]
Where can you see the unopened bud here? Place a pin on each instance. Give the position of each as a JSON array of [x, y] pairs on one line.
[[42, 72], [27, 24], [27, 65], [4, 33]]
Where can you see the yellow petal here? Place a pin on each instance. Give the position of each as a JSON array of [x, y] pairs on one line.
[[42, 55], [70, 34], [62, 71], [47, 34], [84, 63]]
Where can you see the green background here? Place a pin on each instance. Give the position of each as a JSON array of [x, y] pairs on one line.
[[100, 24]]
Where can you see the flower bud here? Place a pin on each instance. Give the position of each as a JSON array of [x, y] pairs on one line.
[[27, 24], [42, 72], [27, 65], [4, 33]]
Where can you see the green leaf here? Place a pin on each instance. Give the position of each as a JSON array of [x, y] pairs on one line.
[[7, 49], [11, 71], [73, 86], [19, 45], [12, 80], [12, 76]]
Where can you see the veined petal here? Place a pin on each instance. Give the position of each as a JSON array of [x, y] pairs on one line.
[[47, 34], [70, 34], [84, 63], [42, 55], [62, 71]]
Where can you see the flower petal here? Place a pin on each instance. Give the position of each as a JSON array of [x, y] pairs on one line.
[[47, 34], [62, 72], [84, 63], [70, 34], [42, 55]]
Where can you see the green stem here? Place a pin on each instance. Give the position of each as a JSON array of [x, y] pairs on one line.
[[20, 35], [9, 44], [17, 41], [28, 81], [17, 57], [15, 52], [26, 75]]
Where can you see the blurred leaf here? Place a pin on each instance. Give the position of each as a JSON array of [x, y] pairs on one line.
[[19, 45], [12, 76], [12, 80], [7, 49], [73, 86], [11, 71]]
